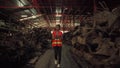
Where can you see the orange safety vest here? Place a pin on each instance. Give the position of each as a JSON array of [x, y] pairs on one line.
[[57, 42]]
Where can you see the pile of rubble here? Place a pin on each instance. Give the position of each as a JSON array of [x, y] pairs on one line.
[[98, 45], [17, 48]]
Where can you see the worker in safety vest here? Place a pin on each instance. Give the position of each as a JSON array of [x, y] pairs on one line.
[[57, 44]]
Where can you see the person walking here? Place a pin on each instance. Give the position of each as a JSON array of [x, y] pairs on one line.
[[57, 44]]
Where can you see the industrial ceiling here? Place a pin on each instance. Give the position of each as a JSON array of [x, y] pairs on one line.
[[47, 13]]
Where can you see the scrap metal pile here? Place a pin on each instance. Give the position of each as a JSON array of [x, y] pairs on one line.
[[96, 43], [17, 48]]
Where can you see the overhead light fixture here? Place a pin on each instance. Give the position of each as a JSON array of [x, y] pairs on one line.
[[58, 23], [58, 15], [24, 16], [57, 20], [32, 17], [58, 10], [20, 4]]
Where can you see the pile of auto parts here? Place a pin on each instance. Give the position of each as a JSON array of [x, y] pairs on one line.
[[97, 46], [17, 48]]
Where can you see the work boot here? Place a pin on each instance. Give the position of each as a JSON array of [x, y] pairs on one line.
[[58, 65], [55, 61]]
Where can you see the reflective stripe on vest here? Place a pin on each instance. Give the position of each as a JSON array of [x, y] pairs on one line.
[[56, 43]]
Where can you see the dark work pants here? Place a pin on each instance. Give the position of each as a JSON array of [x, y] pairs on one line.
[[57, 51]]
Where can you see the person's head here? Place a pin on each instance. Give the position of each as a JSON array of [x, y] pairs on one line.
[[58, 27]]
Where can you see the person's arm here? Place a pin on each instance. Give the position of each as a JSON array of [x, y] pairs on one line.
[[53, 36], [61, 37]]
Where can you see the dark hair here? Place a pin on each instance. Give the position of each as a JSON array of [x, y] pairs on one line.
[[58, 25]]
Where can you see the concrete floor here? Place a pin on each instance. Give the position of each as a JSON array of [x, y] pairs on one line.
[[47, 60]]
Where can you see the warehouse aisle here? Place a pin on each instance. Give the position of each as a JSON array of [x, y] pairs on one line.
[[47, 60]]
